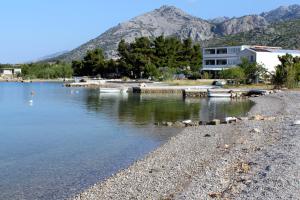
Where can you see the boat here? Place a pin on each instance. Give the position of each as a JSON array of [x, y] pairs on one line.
[[218, 94], [114, 90]]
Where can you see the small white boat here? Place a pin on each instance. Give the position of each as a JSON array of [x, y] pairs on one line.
[[218, 94], [113, 90]]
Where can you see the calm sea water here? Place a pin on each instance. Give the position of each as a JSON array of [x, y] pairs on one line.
[[59, 141]]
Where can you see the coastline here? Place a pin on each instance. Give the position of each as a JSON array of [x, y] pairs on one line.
[[246, 160]]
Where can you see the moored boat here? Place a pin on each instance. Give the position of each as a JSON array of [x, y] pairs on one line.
[[113, 90], [218, 94]]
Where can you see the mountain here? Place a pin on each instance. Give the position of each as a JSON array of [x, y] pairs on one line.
[[283, 13], [167, 20], [282, 34], [242, 24], [171, 21], [51, 56], [218, 20]]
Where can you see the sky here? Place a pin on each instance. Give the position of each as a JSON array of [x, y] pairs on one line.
[[31, 29]]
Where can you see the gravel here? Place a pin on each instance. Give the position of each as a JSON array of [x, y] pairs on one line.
[[228, 161]]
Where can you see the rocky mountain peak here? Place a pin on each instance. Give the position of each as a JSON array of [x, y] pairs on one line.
[[283, 13]]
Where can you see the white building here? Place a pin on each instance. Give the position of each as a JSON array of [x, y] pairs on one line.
[[10, 71], [219, 58]]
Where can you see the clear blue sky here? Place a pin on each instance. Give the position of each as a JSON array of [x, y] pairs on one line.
[[31, 29]]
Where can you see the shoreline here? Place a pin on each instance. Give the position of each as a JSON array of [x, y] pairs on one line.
[[240, 161]]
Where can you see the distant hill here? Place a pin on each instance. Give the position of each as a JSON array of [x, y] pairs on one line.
[[171, 21]]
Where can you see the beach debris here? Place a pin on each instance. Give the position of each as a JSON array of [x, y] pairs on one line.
[[153, 171], [226, 146], [243, 168], [257, 117], [215, 122], [260, 117], [296, 123], [207, 135], [255, 130], [215, 194]]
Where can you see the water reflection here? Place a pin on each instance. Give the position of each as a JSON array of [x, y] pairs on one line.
[[142, 109]]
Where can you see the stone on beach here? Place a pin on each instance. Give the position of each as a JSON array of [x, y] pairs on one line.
[[297, 122]]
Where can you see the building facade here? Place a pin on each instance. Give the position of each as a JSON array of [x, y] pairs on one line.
[[220, 58]]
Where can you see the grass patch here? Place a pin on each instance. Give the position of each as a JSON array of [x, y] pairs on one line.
[[251, 86], [189, 82]]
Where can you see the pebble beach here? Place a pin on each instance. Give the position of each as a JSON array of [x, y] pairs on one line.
[[254, 158]]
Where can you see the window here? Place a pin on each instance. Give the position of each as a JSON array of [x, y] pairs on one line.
[[210, 62], [234, 50], [222, 51], [210, 51], [222, 62], [252, 58]]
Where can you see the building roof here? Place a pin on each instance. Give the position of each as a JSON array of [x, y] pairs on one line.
[[274, 50], [285, 51]]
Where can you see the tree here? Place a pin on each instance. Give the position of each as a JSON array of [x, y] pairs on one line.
[[236, 73], [253, 71], [288, 72], [151, 71], [94, 63]]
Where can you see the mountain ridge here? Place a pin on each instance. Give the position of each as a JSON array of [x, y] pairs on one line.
[[172, 21]]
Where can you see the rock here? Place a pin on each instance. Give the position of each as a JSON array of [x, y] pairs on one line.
[[202, 123], [143, 85], [187, 121], [257, 117], [169, 123], [179, 124], [296, 123], [243, 118], [215, 122], [269, 118], [215, 195], [230, 119]]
